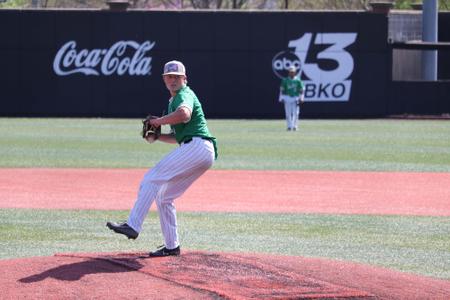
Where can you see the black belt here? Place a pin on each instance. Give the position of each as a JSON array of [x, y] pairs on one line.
[[190, 139]]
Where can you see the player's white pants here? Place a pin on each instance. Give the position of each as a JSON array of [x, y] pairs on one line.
[[168, 180], [292, 111]]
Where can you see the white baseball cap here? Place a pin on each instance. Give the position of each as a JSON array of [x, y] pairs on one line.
[[174, 67], [292, 69]]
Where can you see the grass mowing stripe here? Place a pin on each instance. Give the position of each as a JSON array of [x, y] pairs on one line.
[[359, 145], [413, 244]]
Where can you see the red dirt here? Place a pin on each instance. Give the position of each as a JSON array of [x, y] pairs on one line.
[[236, 191], [201, 275], [206, 275], [64, 277]]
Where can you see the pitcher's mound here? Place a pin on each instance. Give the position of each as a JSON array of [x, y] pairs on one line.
[[205, 275]]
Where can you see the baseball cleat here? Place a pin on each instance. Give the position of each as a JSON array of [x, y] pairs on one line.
[[163, 251], [123, 228]]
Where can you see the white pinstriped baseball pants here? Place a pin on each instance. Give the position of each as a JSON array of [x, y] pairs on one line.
[[168, 180], [292, 111]]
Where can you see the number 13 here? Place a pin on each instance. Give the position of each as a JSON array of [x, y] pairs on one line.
[[336, 52]]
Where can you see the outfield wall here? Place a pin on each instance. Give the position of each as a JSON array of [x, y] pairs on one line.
[[108, 64], [419, 97]]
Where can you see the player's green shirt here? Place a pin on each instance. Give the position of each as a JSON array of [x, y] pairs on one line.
[[291, 86], [197, 125]]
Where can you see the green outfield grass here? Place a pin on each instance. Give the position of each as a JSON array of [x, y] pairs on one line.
[[363, 145], [414, 244]]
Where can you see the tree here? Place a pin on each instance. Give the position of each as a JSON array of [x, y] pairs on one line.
[[218, 4]]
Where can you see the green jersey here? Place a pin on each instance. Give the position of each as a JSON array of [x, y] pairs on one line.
[[197, 125], [291, 86]]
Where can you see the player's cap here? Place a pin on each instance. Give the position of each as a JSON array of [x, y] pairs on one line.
[[292, 69], [174, 67]]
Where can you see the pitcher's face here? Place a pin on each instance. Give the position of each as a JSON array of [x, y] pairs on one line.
[[174, 82]]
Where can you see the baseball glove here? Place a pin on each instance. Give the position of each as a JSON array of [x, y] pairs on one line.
[[149, 132]]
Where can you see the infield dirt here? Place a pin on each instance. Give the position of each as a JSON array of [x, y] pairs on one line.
[[382, 193], [206, 275]]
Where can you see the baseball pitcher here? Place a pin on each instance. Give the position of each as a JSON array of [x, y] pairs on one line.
[[173, 175]]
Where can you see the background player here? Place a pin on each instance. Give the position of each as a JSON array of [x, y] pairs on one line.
[[172, 176], [292, 95]]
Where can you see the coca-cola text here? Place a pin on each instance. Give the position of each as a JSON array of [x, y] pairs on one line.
[[118, 59]]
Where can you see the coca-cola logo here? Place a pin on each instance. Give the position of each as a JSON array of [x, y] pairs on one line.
[[122, 58]]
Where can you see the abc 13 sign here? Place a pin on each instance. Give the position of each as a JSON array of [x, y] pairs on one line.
[[327, 73]]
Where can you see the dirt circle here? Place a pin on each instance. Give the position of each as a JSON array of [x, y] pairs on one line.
[[207, 275]]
